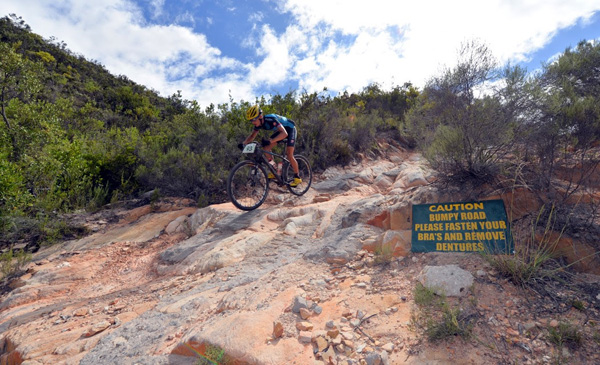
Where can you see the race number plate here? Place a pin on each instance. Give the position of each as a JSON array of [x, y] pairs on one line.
[[249, 148]]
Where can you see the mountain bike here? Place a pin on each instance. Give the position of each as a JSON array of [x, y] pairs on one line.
[[248, 182]]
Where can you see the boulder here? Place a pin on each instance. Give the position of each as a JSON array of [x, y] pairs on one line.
[[449, 280]]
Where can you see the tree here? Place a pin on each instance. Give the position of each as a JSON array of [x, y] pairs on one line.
[[568, 114], [459, 121], [574, 81]]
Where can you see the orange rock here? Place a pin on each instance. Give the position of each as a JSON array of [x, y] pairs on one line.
[[519, 202], [305, 313], [97, 328], [304, 326], [381, 220], [80, 312], [277, 330], [190, 349], [582, 256], [321, 343], [333, 333]]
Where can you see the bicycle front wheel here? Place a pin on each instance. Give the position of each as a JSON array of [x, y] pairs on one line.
[[305, 173], [247, 185]]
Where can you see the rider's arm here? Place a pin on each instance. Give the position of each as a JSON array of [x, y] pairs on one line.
[[282, 134], [250, 137]]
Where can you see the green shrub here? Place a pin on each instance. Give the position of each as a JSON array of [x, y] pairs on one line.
[[446, 152], [209, 354], [189, 156], [116, 152], [13, 261], [579, 305], [98, 197], [437, 319], [426, 297], [362, 129], [384, 254], [214, 355], [528, 264], [64, 178], [565, 334], [460, 134], [14, 196], [453, 322], [39, 230], [596, 336]]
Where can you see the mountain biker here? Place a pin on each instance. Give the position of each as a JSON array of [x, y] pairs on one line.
[[283, 128]]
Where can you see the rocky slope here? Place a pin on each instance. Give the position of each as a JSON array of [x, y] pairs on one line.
[[301, 280]]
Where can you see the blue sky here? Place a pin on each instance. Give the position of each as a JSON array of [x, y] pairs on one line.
[[214, 50]]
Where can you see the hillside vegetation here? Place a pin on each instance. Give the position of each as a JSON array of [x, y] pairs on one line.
[[74, 137]]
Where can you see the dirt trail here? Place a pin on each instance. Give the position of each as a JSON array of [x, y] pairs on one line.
[[165, 279]]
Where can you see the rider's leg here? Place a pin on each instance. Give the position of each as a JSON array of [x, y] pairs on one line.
[[290, 145], [270, 158], [290, 155], [268, 148], [271, 161]]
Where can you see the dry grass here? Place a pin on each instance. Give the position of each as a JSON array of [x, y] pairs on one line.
[[532, 254], [437, 319]]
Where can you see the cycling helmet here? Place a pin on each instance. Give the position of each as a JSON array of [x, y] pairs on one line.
[[253, 112]]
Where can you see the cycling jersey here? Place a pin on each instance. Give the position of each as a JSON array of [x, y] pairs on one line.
[[272, 121]]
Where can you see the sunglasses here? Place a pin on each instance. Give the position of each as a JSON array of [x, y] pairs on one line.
[[252, 120]]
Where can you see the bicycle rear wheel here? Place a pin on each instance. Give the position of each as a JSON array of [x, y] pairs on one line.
[[305, 173], [247, 185]]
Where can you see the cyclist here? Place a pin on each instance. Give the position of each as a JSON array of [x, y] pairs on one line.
[[283, 128]]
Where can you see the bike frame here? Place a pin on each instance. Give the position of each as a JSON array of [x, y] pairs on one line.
[[265, 161], [273, 170]]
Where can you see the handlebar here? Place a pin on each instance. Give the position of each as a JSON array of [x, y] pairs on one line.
[[251, 149]]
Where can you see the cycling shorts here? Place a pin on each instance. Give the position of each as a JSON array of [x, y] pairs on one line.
[[291, 138]]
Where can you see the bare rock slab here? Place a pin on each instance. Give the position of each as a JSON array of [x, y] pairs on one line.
[[449, 280]]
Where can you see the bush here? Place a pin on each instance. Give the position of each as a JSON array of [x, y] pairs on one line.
[[13, 261], [565, 334], [214, 355], [61, 175], [437, 319], [14, 197], [459, 133], [425, 297], [453, 322], [529, 263], [190, 156]]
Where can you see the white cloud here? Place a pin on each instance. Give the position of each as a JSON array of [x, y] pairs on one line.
[[188, 18], [432, 32], [256, 17], [341, 45], [372, 57], [277, 60], [205, 91], [157, 7], [115, 33]]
